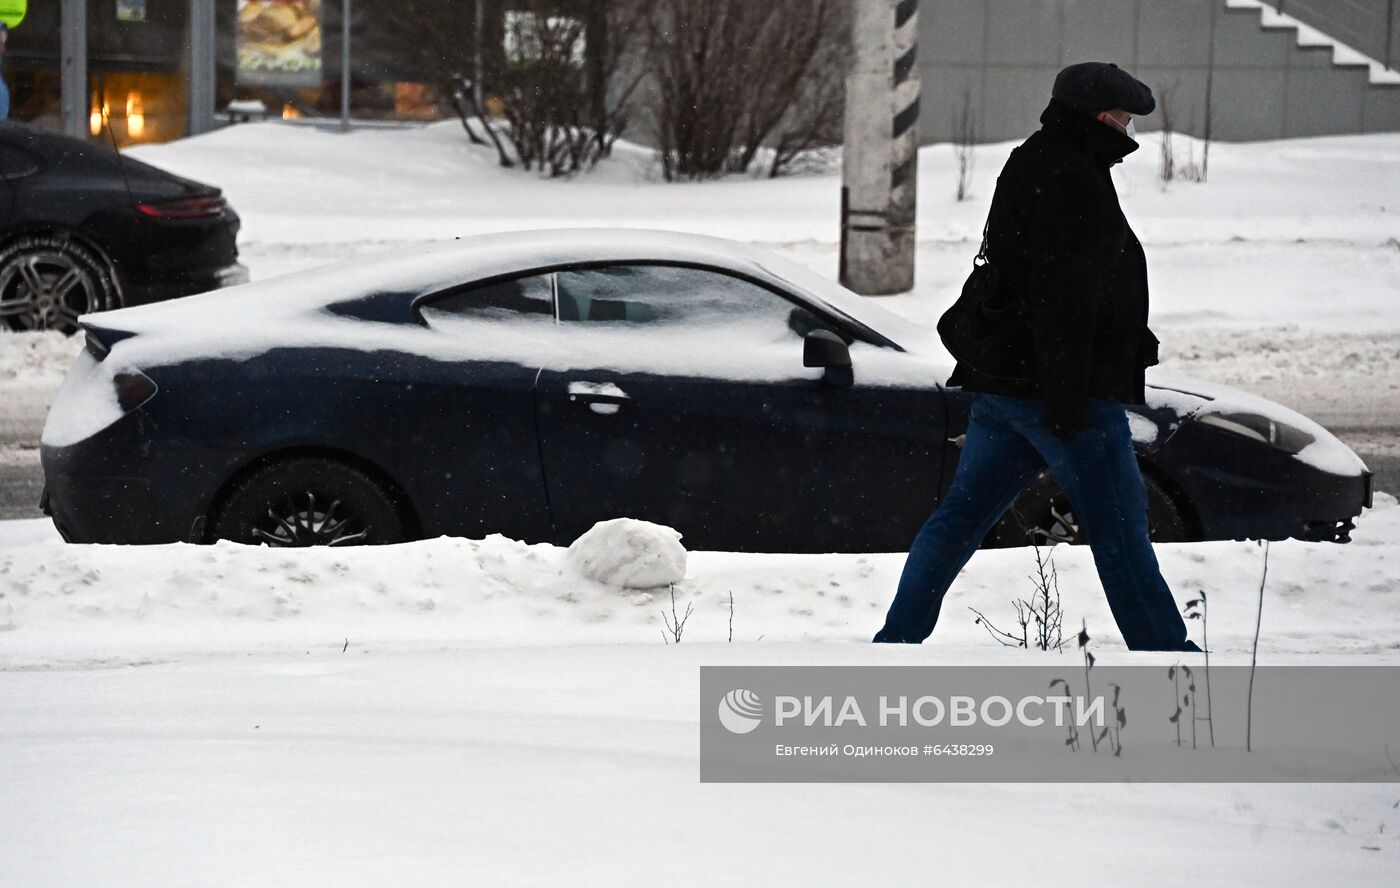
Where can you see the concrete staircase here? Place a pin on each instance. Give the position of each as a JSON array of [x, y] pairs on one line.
[[1328, 86], [1309, 37]]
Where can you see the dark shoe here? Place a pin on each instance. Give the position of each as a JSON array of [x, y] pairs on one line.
[[886, 636]]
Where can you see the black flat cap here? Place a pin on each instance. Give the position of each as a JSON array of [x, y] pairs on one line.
[[1092, 87]]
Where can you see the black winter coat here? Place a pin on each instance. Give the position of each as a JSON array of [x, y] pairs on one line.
[[1072, 267]]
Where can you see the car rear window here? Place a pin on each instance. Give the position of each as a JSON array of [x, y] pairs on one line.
[[523, 297]]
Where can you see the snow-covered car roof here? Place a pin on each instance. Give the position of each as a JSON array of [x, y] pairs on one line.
[[414, 271]]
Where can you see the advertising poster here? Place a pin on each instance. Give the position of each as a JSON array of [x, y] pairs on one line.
[[279, 42], [131, 10]]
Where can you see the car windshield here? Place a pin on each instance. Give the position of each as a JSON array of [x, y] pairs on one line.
[[860, 309]]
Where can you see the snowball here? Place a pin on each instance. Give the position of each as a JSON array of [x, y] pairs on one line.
[[1143, 430], [629, 553]]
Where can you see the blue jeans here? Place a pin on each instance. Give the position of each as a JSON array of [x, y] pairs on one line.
[[1007, 446]]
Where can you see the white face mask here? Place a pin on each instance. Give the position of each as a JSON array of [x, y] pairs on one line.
[[1129, 130]]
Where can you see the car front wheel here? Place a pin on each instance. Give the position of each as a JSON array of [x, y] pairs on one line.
[[1044, 516]]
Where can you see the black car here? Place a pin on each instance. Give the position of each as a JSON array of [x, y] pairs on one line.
[[84, 228], [532, 384]]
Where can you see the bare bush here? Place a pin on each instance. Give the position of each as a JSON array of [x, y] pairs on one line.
[[1039, 619], [1254, 656], [734, 76], [558, 85], [1172, 167], [1166, 170], [965, 145], [675, 622], [1199, 609]]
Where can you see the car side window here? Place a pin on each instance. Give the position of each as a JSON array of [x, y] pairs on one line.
[[668, 295], [522, 298]]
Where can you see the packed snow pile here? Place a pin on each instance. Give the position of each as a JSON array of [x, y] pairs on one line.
[[60, 603], [34, 359], [630, 554], [300, 185]]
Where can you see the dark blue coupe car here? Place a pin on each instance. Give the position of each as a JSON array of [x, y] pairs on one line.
[[531, 384]]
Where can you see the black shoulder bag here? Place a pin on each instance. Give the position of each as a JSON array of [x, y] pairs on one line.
[[986, 329]]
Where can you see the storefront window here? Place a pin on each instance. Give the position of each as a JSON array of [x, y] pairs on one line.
[[138, 66]]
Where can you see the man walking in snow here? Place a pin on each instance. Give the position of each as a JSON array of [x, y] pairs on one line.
[[1072, 290]]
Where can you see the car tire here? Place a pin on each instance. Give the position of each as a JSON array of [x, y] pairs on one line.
[[309, 501], [47, 282], [1166, 521], [1043, 515]]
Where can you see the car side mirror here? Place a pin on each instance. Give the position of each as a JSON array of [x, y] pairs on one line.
[[822, 348]]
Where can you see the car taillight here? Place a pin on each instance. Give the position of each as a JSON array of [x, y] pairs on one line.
[[133, 389], [184, 208]]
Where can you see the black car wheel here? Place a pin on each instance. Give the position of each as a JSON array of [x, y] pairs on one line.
[[46, 283], [308, 501], [1044, 516]]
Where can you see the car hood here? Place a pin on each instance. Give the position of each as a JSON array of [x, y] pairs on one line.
[[1191, 398]]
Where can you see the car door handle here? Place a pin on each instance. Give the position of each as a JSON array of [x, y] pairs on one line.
[[603, 398]]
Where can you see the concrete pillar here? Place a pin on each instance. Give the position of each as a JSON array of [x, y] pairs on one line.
[[880, 168], [73, 75], [203, 66]]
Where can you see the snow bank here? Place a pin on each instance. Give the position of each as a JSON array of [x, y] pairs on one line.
[[34, 359], [294, 184], [630, 554], [60, 603]]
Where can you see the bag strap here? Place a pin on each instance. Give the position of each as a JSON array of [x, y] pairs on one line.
[[982, 251]]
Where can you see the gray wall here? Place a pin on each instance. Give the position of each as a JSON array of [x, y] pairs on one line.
[[1003, 55]]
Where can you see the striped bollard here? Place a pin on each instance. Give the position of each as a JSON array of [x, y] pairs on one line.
[[880, 163]]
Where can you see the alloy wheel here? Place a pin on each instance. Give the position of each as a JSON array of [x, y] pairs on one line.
[[46, 290], [1059, 525], [300, 522]]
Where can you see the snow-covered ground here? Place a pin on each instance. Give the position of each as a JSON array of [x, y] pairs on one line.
[[61, 604], [459, 712], [477, 712], [571, 765]]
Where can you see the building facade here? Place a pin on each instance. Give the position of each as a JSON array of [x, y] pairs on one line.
[[986, 66], [1224, 60]]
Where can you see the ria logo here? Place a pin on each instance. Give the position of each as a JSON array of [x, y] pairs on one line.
[[740, 711]]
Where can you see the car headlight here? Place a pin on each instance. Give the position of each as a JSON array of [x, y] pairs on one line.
[[1260, 428]]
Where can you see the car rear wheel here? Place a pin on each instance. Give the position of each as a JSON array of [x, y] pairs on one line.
[[1044, 516], [309, 501], [46, 283]]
